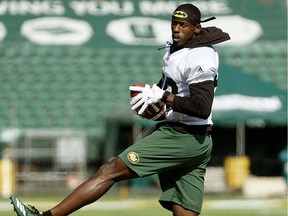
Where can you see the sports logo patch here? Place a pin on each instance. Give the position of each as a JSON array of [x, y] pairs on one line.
[[133, 157], [180, 14]]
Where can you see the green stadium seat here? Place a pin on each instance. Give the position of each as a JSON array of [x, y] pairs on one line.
[[76, 86]]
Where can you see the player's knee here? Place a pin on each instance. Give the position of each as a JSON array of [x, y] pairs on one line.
[[115, 170], [108, 171]]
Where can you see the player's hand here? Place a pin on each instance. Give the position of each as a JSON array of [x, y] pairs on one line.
[[139, 100], [147, 95]]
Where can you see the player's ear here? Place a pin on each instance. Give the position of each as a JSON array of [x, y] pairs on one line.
[[198, 28]]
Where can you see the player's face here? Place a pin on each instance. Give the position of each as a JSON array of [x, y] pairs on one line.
[[182, 31]]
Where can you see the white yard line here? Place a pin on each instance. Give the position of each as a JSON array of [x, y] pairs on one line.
[[244, 204]]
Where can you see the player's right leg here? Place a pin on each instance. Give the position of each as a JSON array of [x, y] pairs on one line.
[[180, 211], [88, 192], [95, 187]]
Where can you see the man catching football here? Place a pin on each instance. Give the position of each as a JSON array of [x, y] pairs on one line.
[[180, 147]]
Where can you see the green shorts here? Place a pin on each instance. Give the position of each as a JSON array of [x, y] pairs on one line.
[[179, 159]]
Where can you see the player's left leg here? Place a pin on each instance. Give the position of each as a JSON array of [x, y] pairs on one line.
[[180, 211], [183, 185]]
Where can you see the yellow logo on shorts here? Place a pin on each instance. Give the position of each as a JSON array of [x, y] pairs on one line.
[[133, 157]]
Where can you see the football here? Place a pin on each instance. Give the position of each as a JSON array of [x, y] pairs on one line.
[[155, 112]]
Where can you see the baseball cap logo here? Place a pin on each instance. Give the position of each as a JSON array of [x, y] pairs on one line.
[[180, 14]]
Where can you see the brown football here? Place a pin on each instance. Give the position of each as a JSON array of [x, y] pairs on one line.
[[155, 112]]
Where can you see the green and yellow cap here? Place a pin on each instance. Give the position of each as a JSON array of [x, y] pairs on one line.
[[189, 13]]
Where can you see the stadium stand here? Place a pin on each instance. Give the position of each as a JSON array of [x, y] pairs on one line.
[[77, 87], [266, 60], [56, 87]]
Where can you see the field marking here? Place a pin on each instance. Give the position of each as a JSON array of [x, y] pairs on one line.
[[123, 204], [245, 204]]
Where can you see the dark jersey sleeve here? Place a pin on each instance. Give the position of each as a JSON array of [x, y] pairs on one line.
[[199, 104]]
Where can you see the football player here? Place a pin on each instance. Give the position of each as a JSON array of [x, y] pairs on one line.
[[180, 147]]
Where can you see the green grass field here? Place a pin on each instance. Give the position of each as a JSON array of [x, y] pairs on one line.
[[148, 205]]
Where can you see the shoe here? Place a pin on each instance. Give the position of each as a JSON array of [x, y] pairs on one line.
[[23, 210]]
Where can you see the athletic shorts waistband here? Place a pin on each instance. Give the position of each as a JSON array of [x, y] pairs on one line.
[[191, 129]]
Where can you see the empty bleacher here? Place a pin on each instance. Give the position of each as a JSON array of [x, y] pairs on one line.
[[266, 60], [79, 87], [56, 87]]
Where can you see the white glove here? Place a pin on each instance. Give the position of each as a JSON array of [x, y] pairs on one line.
[[146, 96]]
